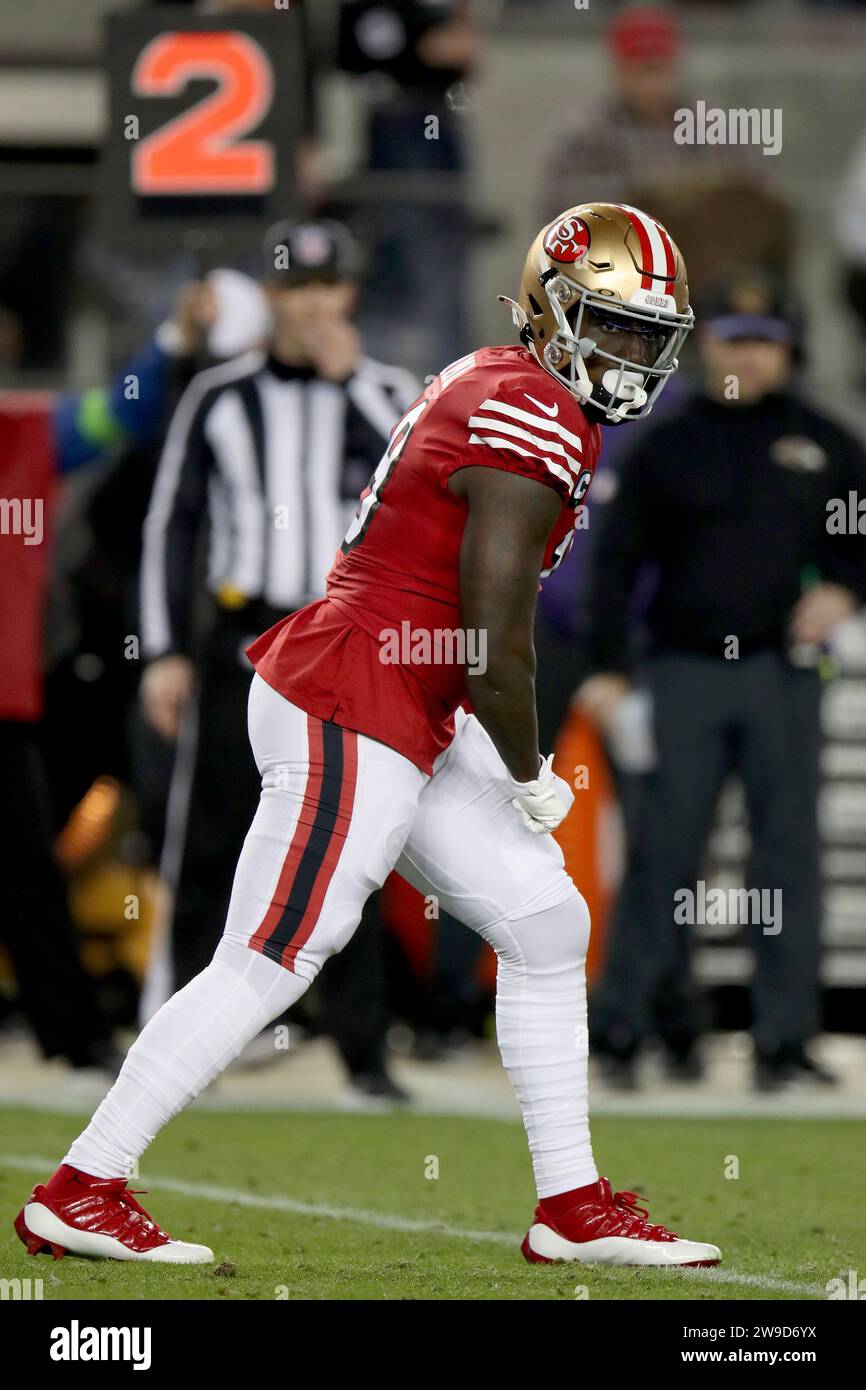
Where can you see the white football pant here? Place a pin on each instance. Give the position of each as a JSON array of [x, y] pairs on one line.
[[338, 812]]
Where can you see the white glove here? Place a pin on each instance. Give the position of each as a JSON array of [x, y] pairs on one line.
[[544, 802]]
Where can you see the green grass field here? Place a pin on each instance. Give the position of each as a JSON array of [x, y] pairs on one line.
[[329, 1206]]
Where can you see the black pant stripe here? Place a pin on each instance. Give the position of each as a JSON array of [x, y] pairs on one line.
[[317, 845]]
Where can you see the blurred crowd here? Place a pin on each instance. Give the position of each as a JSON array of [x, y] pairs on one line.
[[689, 638]]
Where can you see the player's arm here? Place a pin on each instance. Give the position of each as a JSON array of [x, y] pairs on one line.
[[841, 558], [510, 518], [87, 423]]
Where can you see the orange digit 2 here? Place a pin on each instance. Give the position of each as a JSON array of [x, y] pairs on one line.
[[199, 151]]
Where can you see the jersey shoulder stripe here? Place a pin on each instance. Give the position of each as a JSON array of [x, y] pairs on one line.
[[542, 446], [496, 442], [541, 422], [457, 369]]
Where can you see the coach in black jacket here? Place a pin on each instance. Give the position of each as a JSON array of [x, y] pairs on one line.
[[271, 450], [728, 501]]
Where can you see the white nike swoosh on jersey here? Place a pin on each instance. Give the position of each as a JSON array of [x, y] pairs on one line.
[[551, 410]]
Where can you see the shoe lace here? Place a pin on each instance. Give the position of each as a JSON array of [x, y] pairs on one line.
[[637, 1215], [127, 1199]]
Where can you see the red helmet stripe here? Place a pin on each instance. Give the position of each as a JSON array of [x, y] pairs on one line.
[[646, 255], [670, 264], [657, 252]]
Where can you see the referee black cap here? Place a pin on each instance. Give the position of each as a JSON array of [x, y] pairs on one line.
[[295, 253]]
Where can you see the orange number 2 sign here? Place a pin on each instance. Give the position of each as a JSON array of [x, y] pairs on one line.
[[200, 151]]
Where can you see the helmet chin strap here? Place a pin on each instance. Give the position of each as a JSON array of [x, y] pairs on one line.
[[625, 388], [581, 384]]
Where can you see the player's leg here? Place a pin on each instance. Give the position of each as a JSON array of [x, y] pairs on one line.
[[334, 812], [692, 717], [470, 848], [781, 711], [205, 829]]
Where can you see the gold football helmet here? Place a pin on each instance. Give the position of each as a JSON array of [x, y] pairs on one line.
[[608, 266]]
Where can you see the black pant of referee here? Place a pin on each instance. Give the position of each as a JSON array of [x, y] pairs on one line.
[[758, 717], [214, 797]]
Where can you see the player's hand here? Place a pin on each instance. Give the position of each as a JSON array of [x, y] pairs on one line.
[[601, 695], [544, 802], [819, 610], [194, 312], [166, 687], [453, 43], [335, 347]]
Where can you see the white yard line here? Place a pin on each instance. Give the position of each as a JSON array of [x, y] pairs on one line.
[[66, 1100], [385, 1221]]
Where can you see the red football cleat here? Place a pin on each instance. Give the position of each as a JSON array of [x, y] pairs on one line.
[[77, 1214], [597, 1226]]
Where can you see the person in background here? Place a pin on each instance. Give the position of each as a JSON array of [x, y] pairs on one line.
[[727, 501], [44, 437], [91, 678], [718, 200], [416, 60], [273, 449]]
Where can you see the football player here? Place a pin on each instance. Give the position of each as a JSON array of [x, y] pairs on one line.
[[393, 723]]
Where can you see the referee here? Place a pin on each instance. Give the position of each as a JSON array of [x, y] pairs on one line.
[[726, 503], [272, 450]]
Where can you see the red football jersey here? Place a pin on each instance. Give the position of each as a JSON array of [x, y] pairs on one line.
[[383, 653]]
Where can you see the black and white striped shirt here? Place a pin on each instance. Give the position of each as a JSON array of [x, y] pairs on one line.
[[275, 457]]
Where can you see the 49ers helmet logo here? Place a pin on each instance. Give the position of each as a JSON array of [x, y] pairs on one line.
[[567, 240]]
